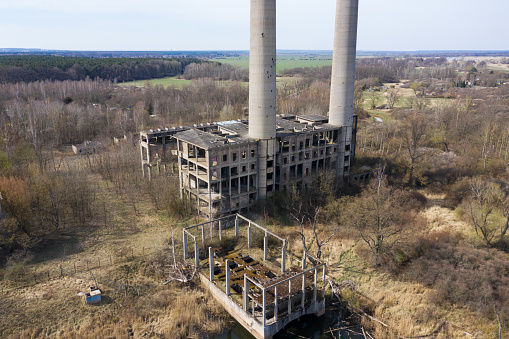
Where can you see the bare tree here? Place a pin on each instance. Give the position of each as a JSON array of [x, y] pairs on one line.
[[379, 214], [414, 136], [392, 98], [372, 98], [303, 219], [488, 200]]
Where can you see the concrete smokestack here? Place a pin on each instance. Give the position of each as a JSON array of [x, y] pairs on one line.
[[343, 65], [262, 89], [262, 70]]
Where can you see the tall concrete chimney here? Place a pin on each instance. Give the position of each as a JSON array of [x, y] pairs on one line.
[[262, 88], [343, 63], [343, 80]]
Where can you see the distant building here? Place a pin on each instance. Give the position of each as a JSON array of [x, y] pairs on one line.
[[88, 147]]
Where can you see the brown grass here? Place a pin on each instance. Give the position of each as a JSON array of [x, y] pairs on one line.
[[445, 279]]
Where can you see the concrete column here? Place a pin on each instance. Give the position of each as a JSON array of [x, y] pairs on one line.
[[275, 304], [289, 297], [265, 246], [211, 264], [315, 283], [181, 177], [249, 235], [343, 64], [283, 257], [236, 226], [196, 254], [324, 273], [142, 161], [220, 230], [245, 295], [227, 269], [184, 241], [264, 297], [303, 291]]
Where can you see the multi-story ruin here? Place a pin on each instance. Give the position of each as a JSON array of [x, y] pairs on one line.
[[225, 167]]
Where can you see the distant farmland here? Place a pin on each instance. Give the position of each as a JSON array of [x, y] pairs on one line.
[[283, 62], [165, 82]]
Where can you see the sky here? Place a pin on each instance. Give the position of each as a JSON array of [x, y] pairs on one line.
[[165, 25]]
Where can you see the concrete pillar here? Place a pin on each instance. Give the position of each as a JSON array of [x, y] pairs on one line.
[[265, 246], [196, 254], [149, 167], [264, 298], [283, 257], [324, 273], [262, 84], [303, 291], [275, 304], [249, 235], [315, 283], [142, 161], [227, 269], [245, 295], [211, 264], [289, 297], [220, 230], [343, 64], [236, 226], [184, 241], [203, 234]]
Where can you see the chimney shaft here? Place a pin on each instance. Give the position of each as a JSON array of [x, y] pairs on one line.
[[343, 65], [262, 70]]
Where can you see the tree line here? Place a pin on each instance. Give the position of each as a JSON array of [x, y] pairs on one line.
[[31, 68]]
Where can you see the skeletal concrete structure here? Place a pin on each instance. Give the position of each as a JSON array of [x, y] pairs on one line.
[[220, 164], [224, 167], [261, 297]]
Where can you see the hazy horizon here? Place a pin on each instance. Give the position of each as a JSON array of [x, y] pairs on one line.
[[157, 25]]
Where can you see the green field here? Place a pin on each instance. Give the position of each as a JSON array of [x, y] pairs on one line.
[[498, 69], [283, 62], [165, 82]]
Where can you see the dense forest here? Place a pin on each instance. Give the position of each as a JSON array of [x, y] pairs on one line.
[[420, 248], [36, 67]]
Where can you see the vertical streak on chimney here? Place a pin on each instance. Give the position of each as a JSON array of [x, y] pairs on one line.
[[343, 73], [262, 86]]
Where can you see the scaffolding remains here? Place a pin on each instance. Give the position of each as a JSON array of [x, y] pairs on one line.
[[262, 295]]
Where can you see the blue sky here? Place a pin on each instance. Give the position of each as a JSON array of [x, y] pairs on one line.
[[224, 24]]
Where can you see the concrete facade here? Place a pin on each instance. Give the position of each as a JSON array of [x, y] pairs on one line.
[[219, 164]]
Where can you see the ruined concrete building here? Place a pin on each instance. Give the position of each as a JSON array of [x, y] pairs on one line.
[[226, 166], [219, 163]]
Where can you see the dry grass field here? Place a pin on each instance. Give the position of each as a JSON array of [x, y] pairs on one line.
[[122, 254]]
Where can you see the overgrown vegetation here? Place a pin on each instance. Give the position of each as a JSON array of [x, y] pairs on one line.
[[423, 245]]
